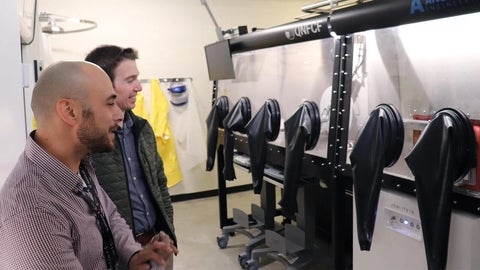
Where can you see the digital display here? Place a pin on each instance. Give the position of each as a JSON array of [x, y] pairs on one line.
[[219, 61]]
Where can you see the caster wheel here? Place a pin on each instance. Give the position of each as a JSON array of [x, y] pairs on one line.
[[243, 258], [251, 265], [222, 240]]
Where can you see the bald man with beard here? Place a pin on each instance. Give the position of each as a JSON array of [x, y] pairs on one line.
[[53, 213]]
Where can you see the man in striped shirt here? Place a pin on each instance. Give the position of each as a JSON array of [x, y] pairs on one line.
[[53, 213]]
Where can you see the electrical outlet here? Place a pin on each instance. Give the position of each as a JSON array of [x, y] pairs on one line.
[[26, 75]]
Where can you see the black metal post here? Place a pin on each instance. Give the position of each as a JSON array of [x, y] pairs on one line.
[[222, 189], [268, 204], [339, 118], [214, 92]]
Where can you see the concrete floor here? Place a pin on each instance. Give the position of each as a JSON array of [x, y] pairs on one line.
[[197, 227]]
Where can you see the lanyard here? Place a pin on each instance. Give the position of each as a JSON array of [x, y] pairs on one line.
[[95, 206]]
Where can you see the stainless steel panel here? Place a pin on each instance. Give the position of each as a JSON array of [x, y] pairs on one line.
[[291, 74], [420, 68]]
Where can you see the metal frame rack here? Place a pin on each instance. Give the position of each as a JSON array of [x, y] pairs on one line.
[[343, 23]]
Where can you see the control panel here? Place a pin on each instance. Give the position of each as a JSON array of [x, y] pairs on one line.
[[399, 221]]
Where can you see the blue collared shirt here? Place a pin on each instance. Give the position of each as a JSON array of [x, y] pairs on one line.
[[143, 211]]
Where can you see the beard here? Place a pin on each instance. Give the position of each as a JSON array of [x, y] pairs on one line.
[[94, 138]]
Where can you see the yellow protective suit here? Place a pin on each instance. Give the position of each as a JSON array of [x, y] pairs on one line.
[[158, 119], [140, 108]]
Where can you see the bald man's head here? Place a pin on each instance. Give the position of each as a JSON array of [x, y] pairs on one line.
[[69, 79]]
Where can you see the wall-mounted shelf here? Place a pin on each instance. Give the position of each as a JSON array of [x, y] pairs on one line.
[[167, 80]]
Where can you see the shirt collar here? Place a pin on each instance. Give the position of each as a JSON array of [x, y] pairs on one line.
[[127, 121], [51, 165]]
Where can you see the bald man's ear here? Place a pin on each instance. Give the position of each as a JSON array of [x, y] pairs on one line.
[[68, 111]]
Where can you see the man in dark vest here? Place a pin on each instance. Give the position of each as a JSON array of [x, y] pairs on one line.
[[133, 173]]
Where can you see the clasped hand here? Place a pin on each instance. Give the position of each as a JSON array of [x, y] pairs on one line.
[[157, 252]]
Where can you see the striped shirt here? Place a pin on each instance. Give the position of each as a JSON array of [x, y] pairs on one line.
[[45, 225]]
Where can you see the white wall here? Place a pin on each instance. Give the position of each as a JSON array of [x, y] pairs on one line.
[[12, 121], [170, 36]]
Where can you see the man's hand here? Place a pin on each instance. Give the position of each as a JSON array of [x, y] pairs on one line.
[[158, 251], [164, 238]]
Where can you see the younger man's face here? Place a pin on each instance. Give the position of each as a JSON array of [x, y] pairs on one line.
[[126, 84]]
